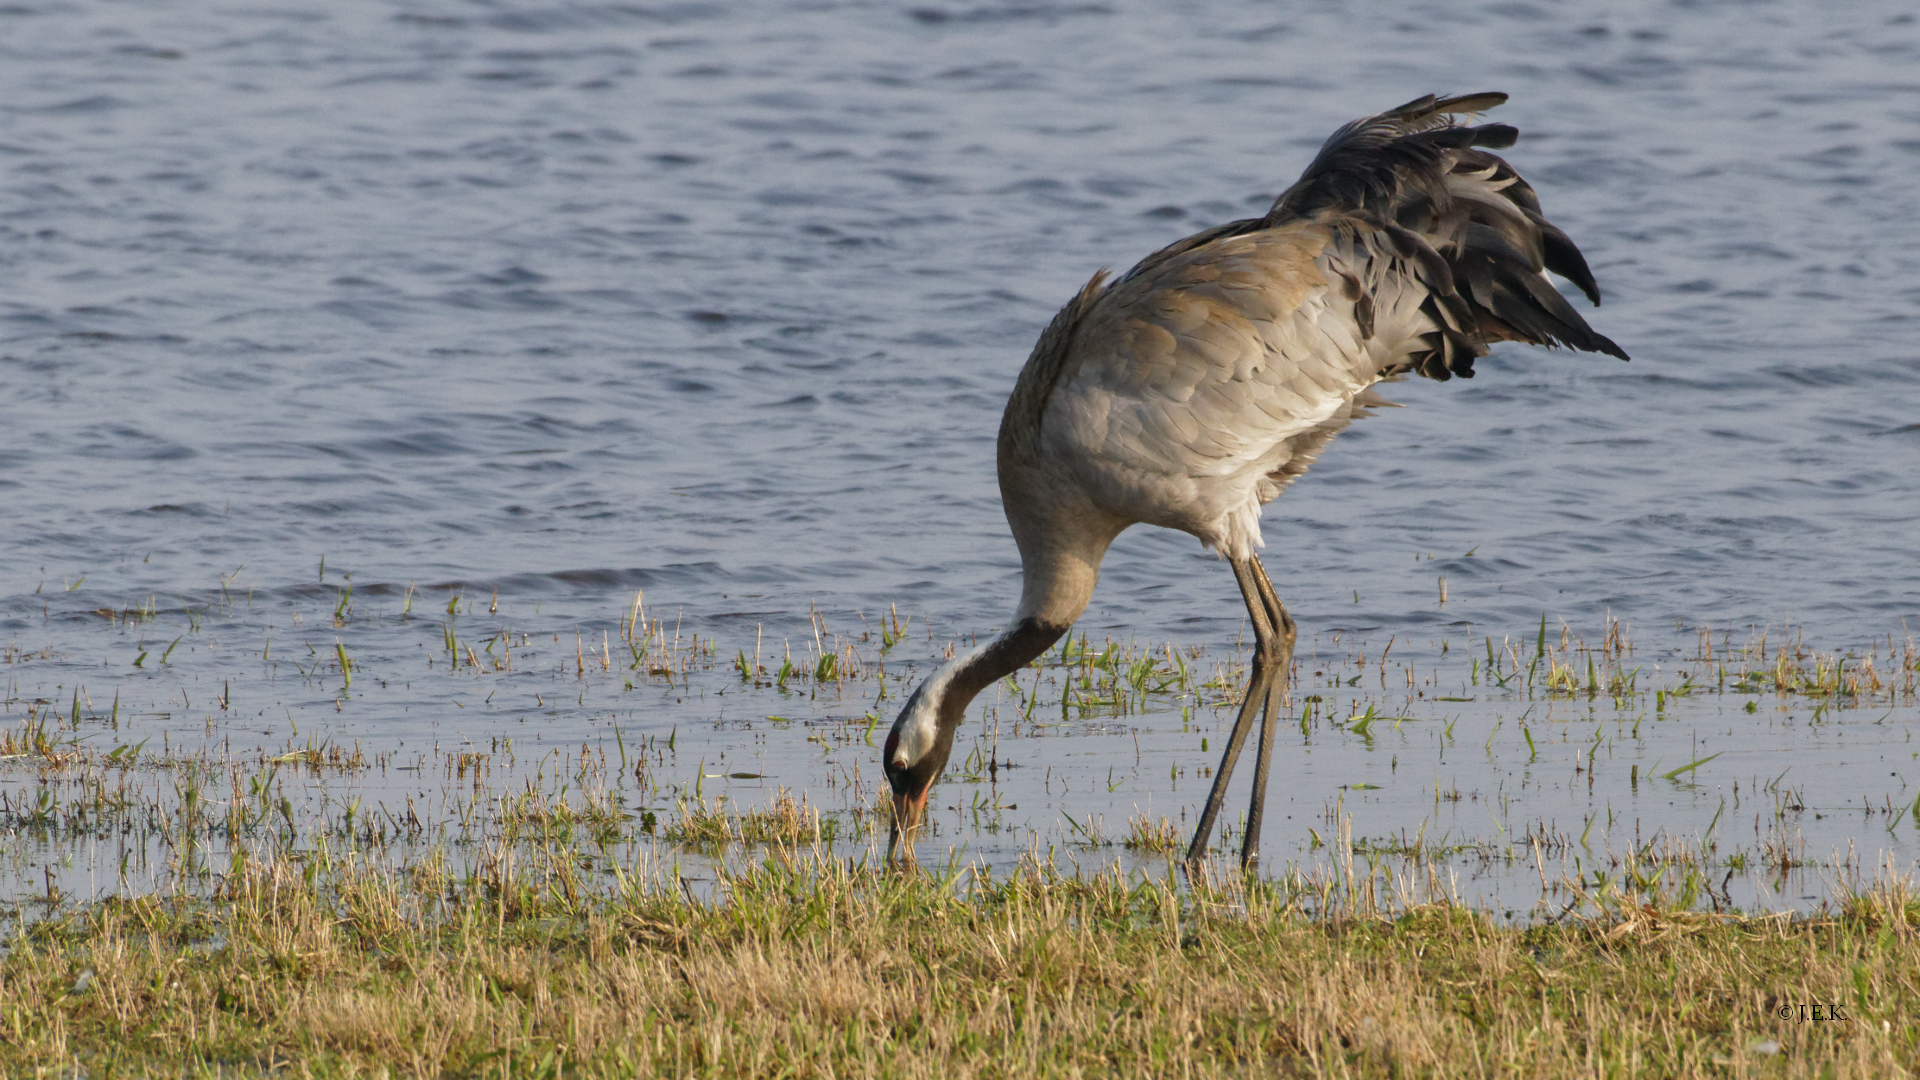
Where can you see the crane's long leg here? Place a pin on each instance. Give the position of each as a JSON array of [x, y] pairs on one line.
[[1273, 632], [1280, 664], [1255, 701]]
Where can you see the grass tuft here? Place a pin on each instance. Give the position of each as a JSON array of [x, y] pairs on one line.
[[1161, 837]]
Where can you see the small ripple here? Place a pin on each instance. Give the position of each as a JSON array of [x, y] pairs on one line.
[[420, 444], [191, 510], [939, 16], [594, 16], [507, 300], [591, 581], [379, 314], [130, 444], [799, 401], [1824, 375], [95, 104]]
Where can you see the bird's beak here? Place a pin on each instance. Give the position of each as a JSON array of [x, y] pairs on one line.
[[909, 810]]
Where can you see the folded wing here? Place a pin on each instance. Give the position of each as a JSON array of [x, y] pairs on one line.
[[1203, 379]]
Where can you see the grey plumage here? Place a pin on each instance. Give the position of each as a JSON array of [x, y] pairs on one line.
[[1192, 389]]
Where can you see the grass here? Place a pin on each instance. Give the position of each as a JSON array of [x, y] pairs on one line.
[[704, 824], [322, 965]]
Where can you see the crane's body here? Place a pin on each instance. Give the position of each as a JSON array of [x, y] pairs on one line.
[[1191, 390]]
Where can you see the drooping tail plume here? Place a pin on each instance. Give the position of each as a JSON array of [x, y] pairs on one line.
[[1414, 185]]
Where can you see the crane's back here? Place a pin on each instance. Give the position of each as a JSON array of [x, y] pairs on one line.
[[1192, 389]]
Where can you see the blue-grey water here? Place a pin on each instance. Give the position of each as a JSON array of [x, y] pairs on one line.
[[546, 304]]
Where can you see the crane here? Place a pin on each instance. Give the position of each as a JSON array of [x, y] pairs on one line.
[[1189, 391]]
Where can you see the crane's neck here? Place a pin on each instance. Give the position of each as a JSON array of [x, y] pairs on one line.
[[1056, 589], [1056, 582], [1013, 649], [1060, 569]]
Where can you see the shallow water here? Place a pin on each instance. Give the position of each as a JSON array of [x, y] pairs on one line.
[[556, 303]]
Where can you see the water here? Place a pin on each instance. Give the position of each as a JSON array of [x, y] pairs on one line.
[[557, 303]]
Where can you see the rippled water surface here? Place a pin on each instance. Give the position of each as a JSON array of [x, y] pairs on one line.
[[544, 305]]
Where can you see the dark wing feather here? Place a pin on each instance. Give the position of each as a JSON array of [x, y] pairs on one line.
[[1462, 220], [1564, 259]]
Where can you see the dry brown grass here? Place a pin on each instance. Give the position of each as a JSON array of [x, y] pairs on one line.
[[814, 968]]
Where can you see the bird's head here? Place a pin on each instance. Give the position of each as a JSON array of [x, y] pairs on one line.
[[922, 738], [916, 751]]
